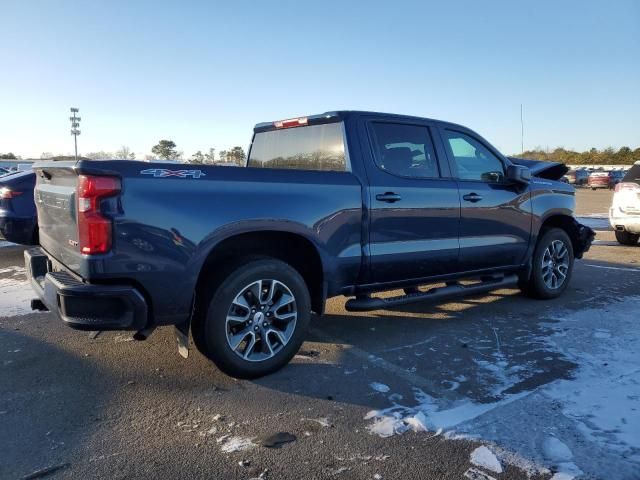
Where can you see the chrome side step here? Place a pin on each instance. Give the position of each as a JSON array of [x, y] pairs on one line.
[[365, 303]]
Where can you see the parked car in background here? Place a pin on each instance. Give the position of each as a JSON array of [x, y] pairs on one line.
[[624, 214], [598, 179], [582, 176], [615, 177], [577, 177], [18, 222], [570, 177], [342, 203]]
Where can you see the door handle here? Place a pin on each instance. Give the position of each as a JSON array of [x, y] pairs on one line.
[[388, 197], [472, 197]]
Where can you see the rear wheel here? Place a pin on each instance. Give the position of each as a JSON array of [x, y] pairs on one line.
[[256, 318], [626, 238], [552, 266]]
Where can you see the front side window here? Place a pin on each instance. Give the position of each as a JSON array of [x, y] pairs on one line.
[[473, 160], [315, 147], [405, 150]]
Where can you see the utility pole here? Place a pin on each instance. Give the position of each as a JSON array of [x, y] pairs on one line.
[[75, 124], [521, 130]]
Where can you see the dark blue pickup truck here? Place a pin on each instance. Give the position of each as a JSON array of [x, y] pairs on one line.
[[342, 203]]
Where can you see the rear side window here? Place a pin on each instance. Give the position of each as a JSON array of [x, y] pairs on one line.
[[473, 160], [405, 150], [316, 147]]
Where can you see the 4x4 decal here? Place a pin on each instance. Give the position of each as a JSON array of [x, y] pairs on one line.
[[163, 173]]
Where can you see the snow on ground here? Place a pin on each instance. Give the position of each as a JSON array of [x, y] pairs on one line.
[[231, 444], [588, 423], [15, 293], [379, 387], [483, 457]]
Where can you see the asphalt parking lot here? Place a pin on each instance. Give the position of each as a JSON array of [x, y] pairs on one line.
[[547, 388]]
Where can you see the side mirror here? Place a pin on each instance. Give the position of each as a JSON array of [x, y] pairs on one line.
[[519, 174]]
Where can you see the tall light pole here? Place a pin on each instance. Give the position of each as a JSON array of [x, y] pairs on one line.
[[75, 124]]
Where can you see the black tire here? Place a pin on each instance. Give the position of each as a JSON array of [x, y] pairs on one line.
[[535, 286], [626, 238], [211, 335]]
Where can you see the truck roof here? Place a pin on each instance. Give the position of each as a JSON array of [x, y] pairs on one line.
[[337, 115]]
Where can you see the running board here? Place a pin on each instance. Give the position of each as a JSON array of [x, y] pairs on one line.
[[366, 303]]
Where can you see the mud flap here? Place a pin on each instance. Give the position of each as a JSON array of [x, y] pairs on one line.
[[182, 336]]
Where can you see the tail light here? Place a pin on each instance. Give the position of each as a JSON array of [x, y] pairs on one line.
[[7, 193], [627, 186], [94, 229]]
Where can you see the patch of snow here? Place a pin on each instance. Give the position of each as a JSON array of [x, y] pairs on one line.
[[15, 297], [379, 387], [567, 471], [483, 457], [475, 474], [236, 444], [417, 423], [387, 425], [603, 395], [555, 450], [594, 411], [323, 421]]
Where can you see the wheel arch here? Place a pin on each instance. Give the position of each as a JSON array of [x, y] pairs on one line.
[[580, 235], [292, 248]]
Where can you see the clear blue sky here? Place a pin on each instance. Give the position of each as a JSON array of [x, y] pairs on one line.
[[203, 73]]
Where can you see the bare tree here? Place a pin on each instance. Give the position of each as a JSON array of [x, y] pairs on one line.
[[125, 153]]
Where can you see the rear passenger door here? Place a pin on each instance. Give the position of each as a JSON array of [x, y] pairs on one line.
[[414, 206], [495, 223]]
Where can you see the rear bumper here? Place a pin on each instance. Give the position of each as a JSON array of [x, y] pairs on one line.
[[623, 222], [81, 305], [17, 229]]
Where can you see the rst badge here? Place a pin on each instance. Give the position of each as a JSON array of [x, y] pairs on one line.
[[163, 173]]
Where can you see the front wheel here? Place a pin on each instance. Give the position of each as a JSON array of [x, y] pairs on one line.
[[256, 319], [552, 266], [626, 238]]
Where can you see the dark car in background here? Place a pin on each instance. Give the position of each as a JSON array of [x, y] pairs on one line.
[[18, 220], [615, 177], [577, 177]]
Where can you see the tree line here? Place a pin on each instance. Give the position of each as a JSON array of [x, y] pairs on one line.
[[167, 150], [608, 156], [163, 150]]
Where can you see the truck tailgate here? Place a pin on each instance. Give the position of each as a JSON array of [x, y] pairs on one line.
[[55, 198]]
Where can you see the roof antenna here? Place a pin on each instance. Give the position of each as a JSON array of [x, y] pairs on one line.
[[521, 130]]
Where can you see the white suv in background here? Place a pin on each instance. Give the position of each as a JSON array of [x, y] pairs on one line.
[[624, 214]]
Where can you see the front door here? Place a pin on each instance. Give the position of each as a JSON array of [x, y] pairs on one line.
[[414, 204], [495, 223]]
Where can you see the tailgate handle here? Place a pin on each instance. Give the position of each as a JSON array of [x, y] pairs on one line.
[[388, 197]]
